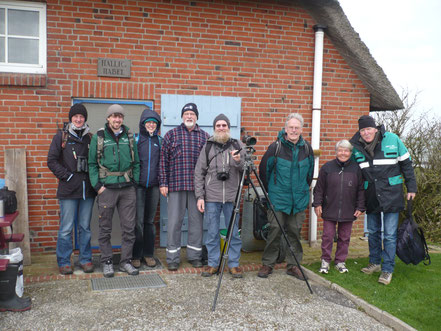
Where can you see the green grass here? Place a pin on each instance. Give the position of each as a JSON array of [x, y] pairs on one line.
[[413, 296]]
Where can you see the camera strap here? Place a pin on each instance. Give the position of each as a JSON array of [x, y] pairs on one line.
[[224, 147]]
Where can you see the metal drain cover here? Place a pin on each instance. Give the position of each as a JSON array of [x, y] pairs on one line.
[[128, 282]]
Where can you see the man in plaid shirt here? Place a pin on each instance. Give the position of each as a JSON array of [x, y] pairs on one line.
[[179, 154]]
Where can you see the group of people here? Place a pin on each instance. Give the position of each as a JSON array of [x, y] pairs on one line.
[[200, 175]]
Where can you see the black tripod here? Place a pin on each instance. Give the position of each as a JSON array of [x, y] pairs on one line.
[[248, 168]]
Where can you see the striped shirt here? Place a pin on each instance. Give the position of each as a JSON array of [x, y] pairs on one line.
[[179, 153]]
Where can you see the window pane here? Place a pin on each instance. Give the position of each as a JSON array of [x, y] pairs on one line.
[[2, 21], [22, 51], [2, 49], [23, 23]]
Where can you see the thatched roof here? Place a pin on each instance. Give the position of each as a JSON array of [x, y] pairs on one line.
[[355, 52]]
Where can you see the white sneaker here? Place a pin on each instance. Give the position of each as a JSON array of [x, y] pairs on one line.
[[341, 267], [385, 278], [324, 268], [371, 268]]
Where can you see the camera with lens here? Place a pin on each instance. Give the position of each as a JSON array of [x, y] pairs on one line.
[[223, 176], [82, 165], [248, 140]]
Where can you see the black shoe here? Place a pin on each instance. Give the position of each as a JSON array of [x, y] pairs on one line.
[[196, 263], [173, 266]]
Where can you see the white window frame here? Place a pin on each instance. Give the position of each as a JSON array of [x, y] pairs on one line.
[[41, 67]]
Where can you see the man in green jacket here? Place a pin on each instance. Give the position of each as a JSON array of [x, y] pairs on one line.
[[286, 171], [114, 173]]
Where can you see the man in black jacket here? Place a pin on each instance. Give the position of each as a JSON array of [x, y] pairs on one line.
[[386, 165], [67, 159]]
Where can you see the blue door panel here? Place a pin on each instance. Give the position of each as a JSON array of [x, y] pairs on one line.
[[209, 107]]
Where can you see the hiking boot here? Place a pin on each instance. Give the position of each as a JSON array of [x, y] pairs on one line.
[[341, 267], [324, 268], [173, 266], [87, 267], [150, 261], [295, 271], [196, 263], [371, 268], [236, 272], [66, 270], [108, 269], [209, 271], [127, 267], [136, 263], [265, 271], [385, 278]]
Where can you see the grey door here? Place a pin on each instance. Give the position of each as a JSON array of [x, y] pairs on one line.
[[96, 111], [208, 107]]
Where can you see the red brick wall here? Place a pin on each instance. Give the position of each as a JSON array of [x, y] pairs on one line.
[[260, 51]]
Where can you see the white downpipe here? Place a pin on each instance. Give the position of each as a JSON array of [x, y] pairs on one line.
[[316, 113]]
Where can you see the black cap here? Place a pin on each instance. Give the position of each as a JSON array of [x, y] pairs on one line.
[[190, 107], [77, 108], [366, 121]]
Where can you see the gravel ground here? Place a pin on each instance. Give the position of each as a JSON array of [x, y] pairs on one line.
[[280, 302]]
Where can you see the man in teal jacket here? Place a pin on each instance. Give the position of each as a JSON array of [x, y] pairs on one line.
[[114, 173], [286, 171]]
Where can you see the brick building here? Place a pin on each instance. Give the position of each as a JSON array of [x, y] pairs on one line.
[[262, 52]]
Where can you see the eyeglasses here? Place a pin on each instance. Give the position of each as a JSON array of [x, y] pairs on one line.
[[292, 128], [221, 125]]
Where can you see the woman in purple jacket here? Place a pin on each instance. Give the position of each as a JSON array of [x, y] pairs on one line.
[[339, 200]]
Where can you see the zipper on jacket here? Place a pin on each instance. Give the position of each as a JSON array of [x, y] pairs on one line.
[[341, 192], [148, 167], [223, 169]]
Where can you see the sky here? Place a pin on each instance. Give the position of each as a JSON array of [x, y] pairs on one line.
[[404, 37]]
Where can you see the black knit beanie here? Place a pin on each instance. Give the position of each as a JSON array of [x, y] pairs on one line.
[[221, 117], [366, 121], [190, 107], [77, 108]]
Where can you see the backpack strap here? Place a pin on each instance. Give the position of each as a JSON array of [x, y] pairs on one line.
[[132, 145], [207, 151], [276, 154], [64, 138]]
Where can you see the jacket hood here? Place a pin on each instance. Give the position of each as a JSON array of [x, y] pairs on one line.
[[148, 113]]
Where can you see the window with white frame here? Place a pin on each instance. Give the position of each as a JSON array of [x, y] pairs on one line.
[[22, 37]]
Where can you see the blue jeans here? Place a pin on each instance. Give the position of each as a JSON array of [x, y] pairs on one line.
[[70, 210], [383, 249], [212, 214], [146, 204]]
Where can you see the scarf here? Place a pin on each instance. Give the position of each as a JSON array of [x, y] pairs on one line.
[[370, 147]]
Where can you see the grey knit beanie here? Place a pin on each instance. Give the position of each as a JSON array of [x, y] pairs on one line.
[[115, 109], [221, 117]]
